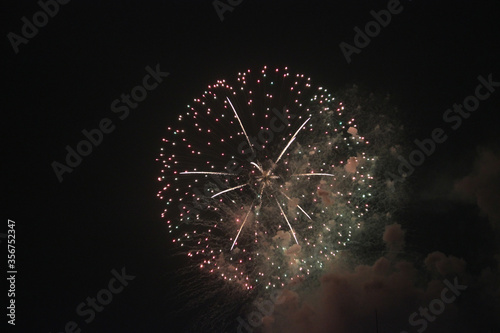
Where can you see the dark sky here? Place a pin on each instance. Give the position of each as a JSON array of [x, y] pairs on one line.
[[105, 215]]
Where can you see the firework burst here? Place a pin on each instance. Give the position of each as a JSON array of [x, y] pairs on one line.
[[265, 179]]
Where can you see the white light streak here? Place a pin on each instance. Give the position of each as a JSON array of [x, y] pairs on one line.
[[229, 189], [286, 219], [241, 125], [244, 221], [291, 140]]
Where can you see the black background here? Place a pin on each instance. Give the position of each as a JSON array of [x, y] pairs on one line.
[[105, 215]]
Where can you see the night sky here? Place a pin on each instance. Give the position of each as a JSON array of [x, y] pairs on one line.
[[73, 236]]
